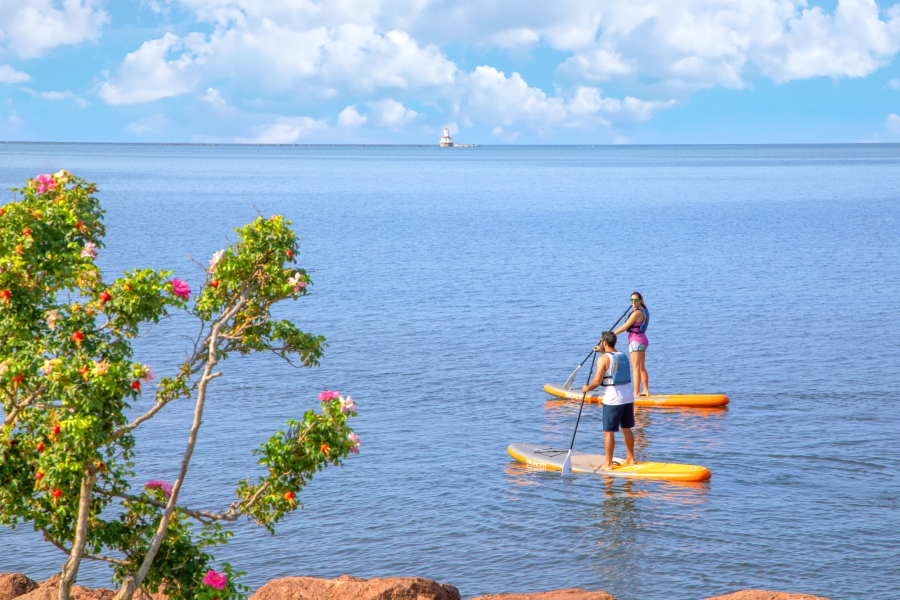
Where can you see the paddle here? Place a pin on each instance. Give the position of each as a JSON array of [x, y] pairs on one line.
[[567, 464], [571, 378]]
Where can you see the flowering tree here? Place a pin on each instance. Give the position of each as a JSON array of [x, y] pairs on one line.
[[67, 379]]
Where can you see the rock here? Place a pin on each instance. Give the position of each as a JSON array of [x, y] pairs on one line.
[[13, 585], [49, 590], [567, 594], [766, 595], [346, 587]]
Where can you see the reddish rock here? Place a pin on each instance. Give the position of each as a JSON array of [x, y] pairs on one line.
[[766, 595], [13, 585], [346, 587], [567, 594]]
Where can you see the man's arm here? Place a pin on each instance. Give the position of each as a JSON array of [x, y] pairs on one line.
[[602, 367]]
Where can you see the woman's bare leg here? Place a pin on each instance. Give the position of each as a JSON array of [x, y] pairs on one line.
[[635, 371], [640, 373]]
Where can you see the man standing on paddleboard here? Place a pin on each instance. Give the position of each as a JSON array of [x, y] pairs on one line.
[[614, 374]]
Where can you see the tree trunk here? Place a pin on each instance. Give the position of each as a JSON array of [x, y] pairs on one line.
[[70, 569]]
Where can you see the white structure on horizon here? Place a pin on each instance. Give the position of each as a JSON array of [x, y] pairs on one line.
[[446, 141]]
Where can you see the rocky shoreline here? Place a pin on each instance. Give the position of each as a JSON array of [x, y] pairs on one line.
[[17, 585]]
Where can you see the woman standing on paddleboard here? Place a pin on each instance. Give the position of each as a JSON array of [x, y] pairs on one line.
[[636, 326]]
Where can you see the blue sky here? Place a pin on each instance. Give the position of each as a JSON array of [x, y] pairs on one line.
[[370, 71]]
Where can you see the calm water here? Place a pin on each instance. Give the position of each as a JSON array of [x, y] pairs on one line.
[[451, 284]]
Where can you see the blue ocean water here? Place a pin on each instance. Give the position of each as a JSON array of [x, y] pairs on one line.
[[452, 284]]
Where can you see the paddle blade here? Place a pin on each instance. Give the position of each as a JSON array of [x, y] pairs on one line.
[[571, 378], [567, 465]]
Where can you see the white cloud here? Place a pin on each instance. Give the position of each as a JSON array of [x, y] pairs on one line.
[[391, 113], [494, 97], [285, 130], [76, 99], [29, 27], [14, 118], [147, 74], [892, 123], [279, 56], [10, 75], [213, 97], [350, 118], [150, 124], [894, 84], [688, 44]]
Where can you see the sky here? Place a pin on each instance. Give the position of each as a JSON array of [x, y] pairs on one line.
[[399, 71]]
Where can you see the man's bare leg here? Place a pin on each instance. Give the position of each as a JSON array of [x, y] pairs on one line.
[[629, 446], [609, 444]]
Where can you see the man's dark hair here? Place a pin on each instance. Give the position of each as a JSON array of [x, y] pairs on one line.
[[609, 338]]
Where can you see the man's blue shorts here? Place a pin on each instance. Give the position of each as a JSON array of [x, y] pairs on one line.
[[618, 415]]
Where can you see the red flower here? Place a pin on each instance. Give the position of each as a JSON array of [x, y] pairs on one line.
[[18, 378], [38, 475], [324, 448], [55, 430], [289, 496], [5, 294], [2, 211], [136, 385], [214, 283], [79, 224], [40, 447], [56, 493], [105, 297], [26, 231], [78, 337], [289, 253]]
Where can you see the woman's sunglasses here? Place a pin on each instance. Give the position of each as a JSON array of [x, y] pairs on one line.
[[635, 300]]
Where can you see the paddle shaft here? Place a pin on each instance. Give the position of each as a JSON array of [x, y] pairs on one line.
[[598, 343], [580, 408], [590, 374]]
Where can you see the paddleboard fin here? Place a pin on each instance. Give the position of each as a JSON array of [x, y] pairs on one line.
[[567, 465]]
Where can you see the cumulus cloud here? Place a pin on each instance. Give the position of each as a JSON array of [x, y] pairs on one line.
[[350, 118], [149, 73], [279, 55], [150, 124], [689, 44], [391, 113], [494, 97], [892, 123], [10, 75], [894, 84], [30, 27], [213, 97]]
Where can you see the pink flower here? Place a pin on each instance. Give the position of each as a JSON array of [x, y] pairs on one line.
[[165, 487], [215, 580], [148, 375], [328, 395], [90, 250], [44, 182], [355, 439], [181, 289], [215, 260], [347, 405], [297, 281]]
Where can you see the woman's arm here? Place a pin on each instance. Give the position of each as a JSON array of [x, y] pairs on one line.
[[629, 322]]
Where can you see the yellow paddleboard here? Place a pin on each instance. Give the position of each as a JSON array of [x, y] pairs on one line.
[[689, 400], [551, 459]]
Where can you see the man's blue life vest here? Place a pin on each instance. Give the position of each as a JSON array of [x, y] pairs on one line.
[[621, 371], [642, 326]]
